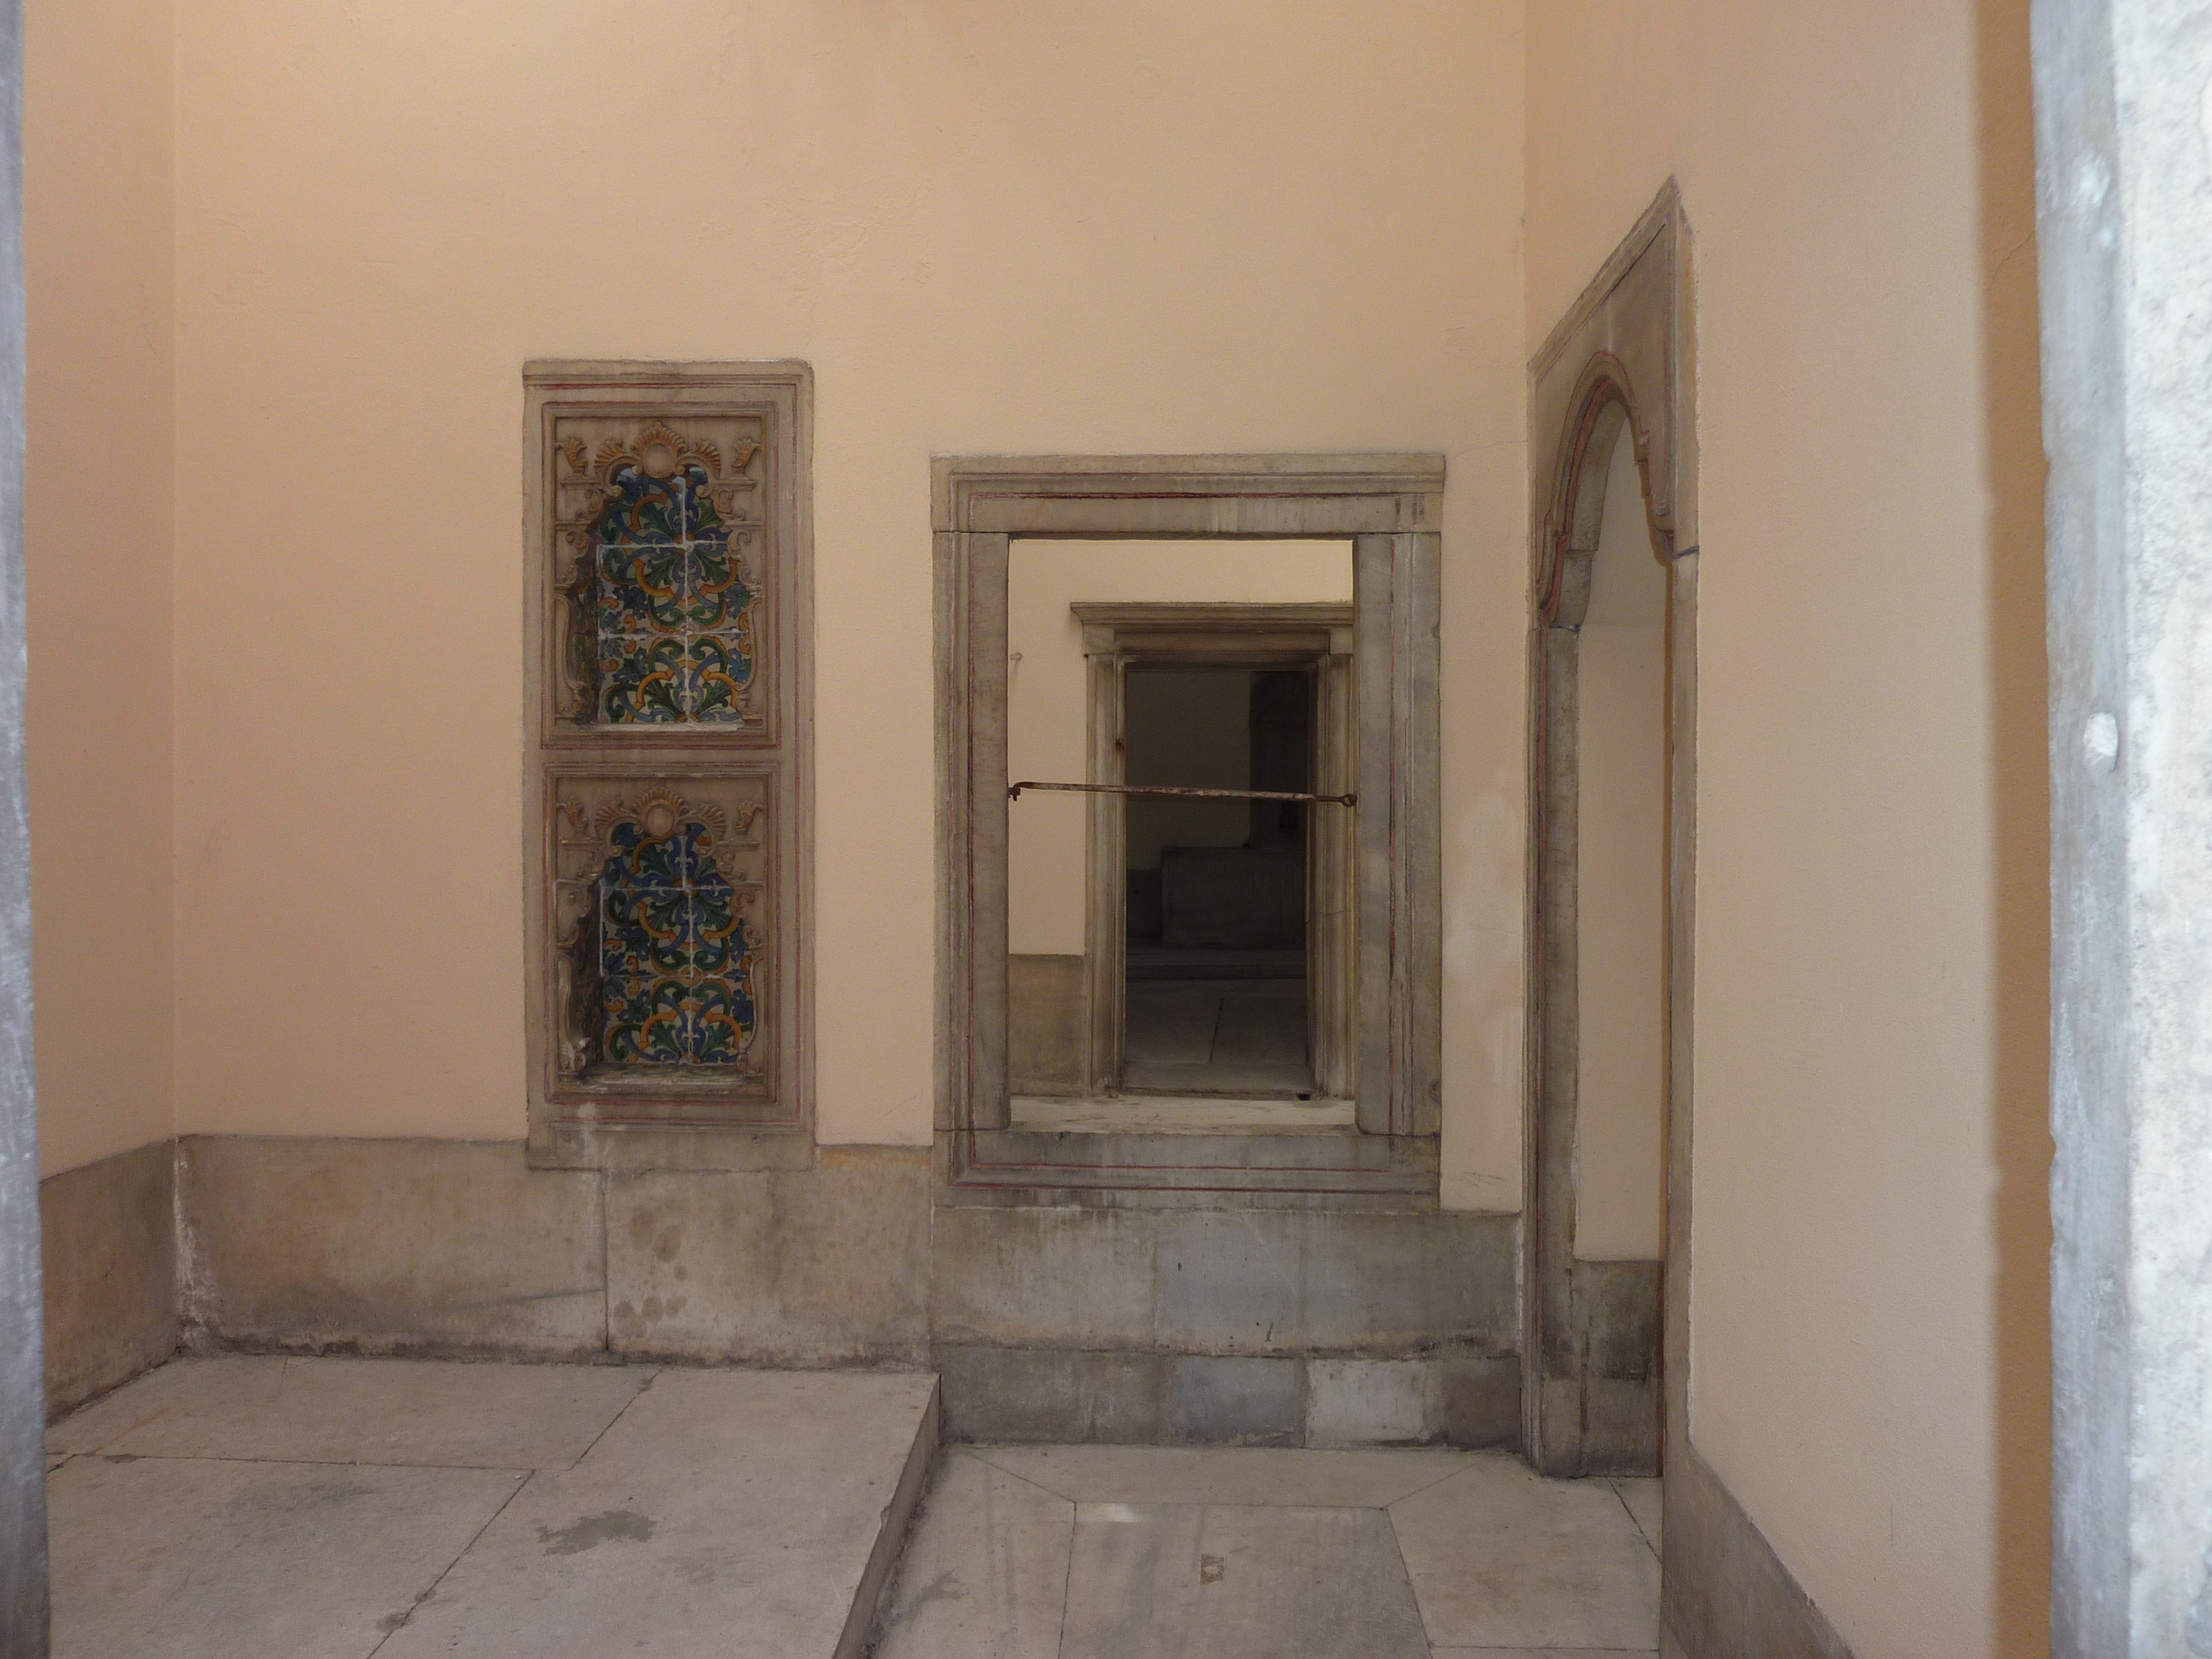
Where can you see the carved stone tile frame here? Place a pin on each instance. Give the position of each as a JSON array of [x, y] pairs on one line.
[[1624, 352], [668, 787], [1390, 507]]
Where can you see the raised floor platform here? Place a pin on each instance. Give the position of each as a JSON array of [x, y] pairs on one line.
[[259, 1508]]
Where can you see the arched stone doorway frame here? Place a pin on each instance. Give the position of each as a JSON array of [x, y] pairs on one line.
[[1596, 1332]]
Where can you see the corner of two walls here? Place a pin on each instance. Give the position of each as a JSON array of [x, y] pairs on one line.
[[100, 253]]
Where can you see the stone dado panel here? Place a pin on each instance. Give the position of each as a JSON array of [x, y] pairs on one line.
[[377, 1246], [1270, 1326], [1244, 1282], [807, 1268], [108, 1240], [1260, 1327]]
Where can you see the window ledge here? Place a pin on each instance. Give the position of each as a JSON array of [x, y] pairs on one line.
[[1184, 1115], [1331, 1168]]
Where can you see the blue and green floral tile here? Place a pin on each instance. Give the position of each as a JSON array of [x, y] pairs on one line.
[[672, 616], [676, 960]]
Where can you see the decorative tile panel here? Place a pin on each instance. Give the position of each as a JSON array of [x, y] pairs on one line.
[[663, 923], [667, 540], [659, 567]]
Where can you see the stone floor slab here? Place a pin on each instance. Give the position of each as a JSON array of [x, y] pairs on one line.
[[1538, 1653], [358, 1411], [1643, 1498], [731, 1514], [185, 1558], [985, 1572], [1502, 1558], [1152, 1581], [1227, 1475]]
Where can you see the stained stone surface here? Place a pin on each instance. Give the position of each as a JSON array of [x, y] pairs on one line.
[[985, 1572], [358, 1411], [197, 1559], [1228, 1475], [1643, 1499], [728, 1515], [1042, 1552], [268, 1509], [1237, 1582], [1502, 1558]]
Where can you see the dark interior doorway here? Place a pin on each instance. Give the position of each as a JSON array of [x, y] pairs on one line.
[[1218, 890]]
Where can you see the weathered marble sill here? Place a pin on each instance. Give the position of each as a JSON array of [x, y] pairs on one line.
[[1135, 1114]]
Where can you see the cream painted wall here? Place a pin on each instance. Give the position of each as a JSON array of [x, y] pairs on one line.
[[1620, 887], [1870, 1351], [1046, 700], [100, 269], [990, 226]]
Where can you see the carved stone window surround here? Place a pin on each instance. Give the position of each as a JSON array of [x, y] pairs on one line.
[[1390, 507], [668, 787]]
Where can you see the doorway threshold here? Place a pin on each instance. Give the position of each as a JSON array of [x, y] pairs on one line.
[[1192, 1113]]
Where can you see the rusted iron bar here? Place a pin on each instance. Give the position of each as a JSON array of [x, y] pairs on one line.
[[1014, 792]]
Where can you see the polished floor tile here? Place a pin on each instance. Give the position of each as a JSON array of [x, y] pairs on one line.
[[188, 1558], [358, 1411], [1229, 1475], [984, 1575], [1502, 1558], [1166, 1581]]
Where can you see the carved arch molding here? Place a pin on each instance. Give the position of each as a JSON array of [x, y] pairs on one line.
[[1605, 1349], [668, 793]]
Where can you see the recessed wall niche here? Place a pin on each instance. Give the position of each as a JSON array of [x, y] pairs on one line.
[[669, 785]]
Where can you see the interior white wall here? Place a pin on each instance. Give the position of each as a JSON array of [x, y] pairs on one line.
[[1047, 701], [1621, 880]]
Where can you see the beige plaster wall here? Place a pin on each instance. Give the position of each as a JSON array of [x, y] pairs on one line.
[[1620, 885], [1046, 702], [99, 272], [1869, 1347], [990, 226]]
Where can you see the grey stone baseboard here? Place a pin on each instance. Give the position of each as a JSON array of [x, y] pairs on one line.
[[108, 1232], [1457, 1397], [1728, 1594]]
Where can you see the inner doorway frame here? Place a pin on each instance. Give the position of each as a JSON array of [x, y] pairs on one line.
[[1197, 633]]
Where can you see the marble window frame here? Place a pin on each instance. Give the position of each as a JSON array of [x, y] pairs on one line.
[[630, 1121], [1390, 507]]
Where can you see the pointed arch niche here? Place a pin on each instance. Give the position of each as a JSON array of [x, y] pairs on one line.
[[1605, 1351]]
